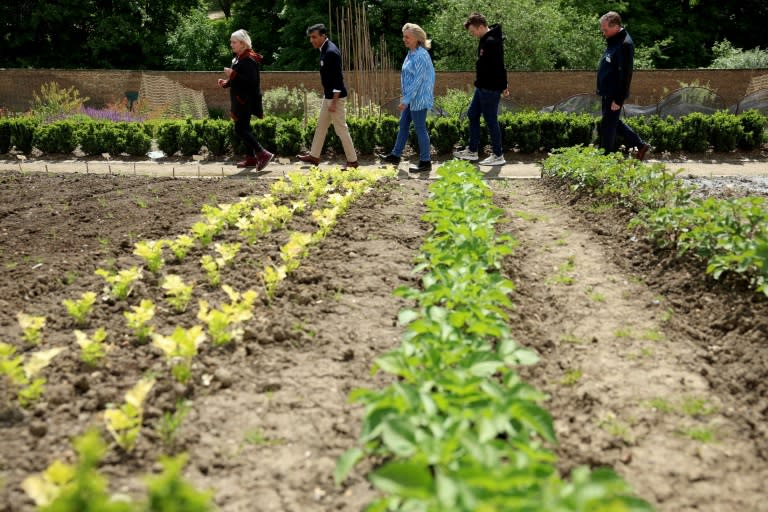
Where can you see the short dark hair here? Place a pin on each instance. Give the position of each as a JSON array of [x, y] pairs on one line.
[[318, 27], [476, 19]]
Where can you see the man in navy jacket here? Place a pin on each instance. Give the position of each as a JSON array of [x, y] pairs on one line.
[[334, 94], [614, 76]]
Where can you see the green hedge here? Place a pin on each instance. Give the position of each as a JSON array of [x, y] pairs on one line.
[[528, 132]]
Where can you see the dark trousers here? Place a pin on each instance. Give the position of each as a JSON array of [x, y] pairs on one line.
[[611, 124], [486, 103], [241, 115]]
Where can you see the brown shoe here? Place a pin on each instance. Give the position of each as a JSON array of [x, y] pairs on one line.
[[640, 155], [309, 159], [350, 165]]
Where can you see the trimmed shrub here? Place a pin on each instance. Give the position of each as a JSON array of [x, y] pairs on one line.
[[726, 131], [695, 132], [288, 137], [168, 137], [190, 140], [5, 135], [216, 136], [754, 125], [23, 133], [444, 133], [58, 137], [386, 132], [137, 142], [363, 132]]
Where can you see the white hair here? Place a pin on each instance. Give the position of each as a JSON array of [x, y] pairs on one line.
[[418, 32], [242, 36]]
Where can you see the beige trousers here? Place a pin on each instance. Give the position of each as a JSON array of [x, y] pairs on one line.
[[339, 120]]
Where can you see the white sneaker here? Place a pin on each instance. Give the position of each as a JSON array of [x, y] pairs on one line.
[[494, 160], [466, 154]]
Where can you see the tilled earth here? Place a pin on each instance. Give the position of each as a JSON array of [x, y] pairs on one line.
[[652, 368]]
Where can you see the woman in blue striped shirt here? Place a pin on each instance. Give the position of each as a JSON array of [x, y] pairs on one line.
[[417, 81]]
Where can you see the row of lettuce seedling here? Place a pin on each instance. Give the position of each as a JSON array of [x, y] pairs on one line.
[[728, 235], [458, 430], [332, 191]]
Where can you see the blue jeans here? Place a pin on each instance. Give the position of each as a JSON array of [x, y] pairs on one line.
[[486, 103], [419, 118], [610, 125]]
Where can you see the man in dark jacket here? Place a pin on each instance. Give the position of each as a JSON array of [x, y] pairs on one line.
[[614, 76], [335, 94], [490, 84]]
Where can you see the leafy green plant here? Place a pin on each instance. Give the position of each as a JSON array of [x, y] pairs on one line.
[[211, 268], [205, 231], [171, 422], [138, 319], [22, 371], [272, 276], [31, 327], [295, 250], [121, 282], [179, 349], [75, 488], [80, 309], [92, 348], [151, 251], [55, 100], [169, 492], [180, 246], [224, 325], [177, 292], [124, 423]]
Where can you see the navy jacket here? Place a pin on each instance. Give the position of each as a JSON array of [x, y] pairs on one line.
[[489, 67], [614, 73], [245, 83], [330, 70]]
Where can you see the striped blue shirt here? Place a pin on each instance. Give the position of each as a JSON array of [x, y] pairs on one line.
[[417, 80]]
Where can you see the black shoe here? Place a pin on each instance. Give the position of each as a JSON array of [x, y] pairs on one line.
[[424, 166], [389, 159]]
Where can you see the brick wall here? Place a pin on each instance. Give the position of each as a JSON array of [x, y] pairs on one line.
[[535, 89]]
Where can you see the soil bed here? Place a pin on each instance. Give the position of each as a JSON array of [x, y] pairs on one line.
[[265, 432], [653, 369]]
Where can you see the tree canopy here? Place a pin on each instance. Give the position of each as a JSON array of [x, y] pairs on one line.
[[541, 34]]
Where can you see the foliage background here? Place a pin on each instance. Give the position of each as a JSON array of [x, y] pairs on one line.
[[541, 34]]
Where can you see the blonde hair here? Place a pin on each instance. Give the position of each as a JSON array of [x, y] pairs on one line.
[[242, 36], [418, 32]]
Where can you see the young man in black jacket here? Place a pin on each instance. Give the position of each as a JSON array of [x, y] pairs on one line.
[[490, 84], [335, 94], [614, 76]]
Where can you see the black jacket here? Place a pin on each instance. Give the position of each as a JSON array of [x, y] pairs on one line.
[[330, 70], [489, 66], [245, 83], [614, 73]]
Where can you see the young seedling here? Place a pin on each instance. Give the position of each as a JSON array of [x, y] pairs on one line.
[[272, 277], [121, 282], [31, 327], [295, 250], [80, 309], [211, 269], [571, 377], [177, 292], [92, 349], [151, 251], [124, 423], [224, 324], [179, 349], [171, 422], [227, 253], [205, 232], [138, 320], [21, 371], [168, 491], [180, 246]]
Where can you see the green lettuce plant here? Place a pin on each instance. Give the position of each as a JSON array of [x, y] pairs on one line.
[[92, 348], [31, 327], [177, 292], [180, 246], [180, 348], [124, 422], [21, 371], [151, 251], [138, 320], [121, 282], [80, 309]]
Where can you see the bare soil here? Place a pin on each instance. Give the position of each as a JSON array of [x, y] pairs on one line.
[[265, 432], [652, 369]]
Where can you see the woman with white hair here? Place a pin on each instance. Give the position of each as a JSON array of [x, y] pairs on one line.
[[244, 84], [417, 82]]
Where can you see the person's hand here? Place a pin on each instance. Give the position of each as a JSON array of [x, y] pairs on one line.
[[615, 106], [401, 107], [228, 72], [506, 92], [332, 106], [221, 82]]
